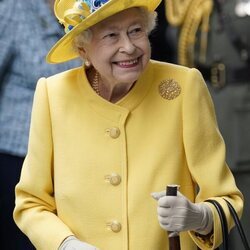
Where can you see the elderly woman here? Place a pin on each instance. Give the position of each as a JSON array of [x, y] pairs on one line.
[[107, 136]]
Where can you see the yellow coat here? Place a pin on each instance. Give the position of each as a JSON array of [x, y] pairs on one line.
[[92, 165]]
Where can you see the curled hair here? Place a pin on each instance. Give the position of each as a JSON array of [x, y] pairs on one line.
[[150, 19]]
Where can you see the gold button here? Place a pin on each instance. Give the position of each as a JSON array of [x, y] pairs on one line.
[[113, 132], [113, 179], [115, 226]]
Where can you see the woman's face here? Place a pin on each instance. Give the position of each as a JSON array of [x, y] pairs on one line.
[[119, 49]]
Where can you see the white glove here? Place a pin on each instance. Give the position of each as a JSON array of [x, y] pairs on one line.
[[72, 243], [177, 213]]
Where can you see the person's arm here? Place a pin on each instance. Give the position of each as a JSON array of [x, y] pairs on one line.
[[205, 152], [35, 212]]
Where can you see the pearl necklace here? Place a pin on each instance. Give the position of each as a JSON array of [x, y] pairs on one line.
[[95, 83]]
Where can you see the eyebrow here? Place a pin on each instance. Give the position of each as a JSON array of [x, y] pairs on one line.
[[112, 26]]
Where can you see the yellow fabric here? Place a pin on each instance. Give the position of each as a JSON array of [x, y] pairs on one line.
[[190, 16], [63, 50], [63, 188]]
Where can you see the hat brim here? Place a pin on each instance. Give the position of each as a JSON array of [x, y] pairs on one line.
[[63, 50]]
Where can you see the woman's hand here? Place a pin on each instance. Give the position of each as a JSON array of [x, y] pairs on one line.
[[177, 213], [72, 243]]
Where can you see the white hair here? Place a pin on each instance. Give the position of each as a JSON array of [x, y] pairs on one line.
[[85, 37]]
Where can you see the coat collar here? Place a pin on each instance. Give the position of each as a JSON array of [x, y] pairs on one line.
[[123, 107]]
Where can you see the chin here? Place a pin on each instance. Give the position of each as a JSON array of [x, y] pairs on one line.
[[132, 76]]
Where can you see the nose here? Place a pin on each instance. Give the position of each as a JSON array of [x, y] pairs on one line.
[[126, 45]]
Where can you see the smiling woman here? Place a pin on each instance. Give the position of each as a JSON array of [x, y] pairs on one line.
[[106, 135]]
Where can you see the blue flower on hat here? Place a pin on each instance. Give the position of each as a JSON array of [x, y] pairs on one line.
[[96, 4], [93, 4], [81, 10], [99, 3]]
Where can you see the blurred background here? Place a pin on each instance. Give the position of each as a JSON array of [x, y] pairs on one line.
[[211, 35]]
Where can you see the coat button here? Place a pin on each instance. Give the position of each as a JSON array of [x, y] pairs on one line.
[[113, 179], [113, 132], [114, 226]]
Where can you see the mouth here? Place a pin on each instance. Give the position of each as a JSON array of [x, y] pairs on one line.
[[128, 63]]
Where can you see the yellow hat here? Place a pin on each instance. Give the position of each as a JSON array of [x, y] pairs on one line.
[[78, 15]]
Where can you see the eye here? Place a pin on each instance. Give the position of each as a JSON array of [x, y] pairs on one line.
[[136, 32], [110, 35]]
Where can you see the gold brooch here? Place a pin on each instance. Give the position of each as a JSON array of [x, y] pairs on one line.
[[169, 89]]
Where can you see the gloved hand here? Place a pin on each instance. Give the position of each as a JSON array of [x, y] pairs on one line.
[[72, 243], [177, 213]]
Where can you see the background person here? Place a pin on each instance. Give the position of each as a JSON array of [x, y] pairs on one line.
[[28, 30]]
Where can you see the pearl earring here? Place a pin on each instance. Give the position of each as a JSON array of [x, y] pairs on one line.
[[87, 63]]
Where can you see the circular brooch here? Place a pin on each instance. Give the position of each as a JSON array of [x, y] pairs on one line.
[[169, 89]]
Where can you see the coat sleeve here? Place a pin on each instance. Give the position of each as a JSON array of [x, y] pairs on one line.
[[205, 152], [35, 212]]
